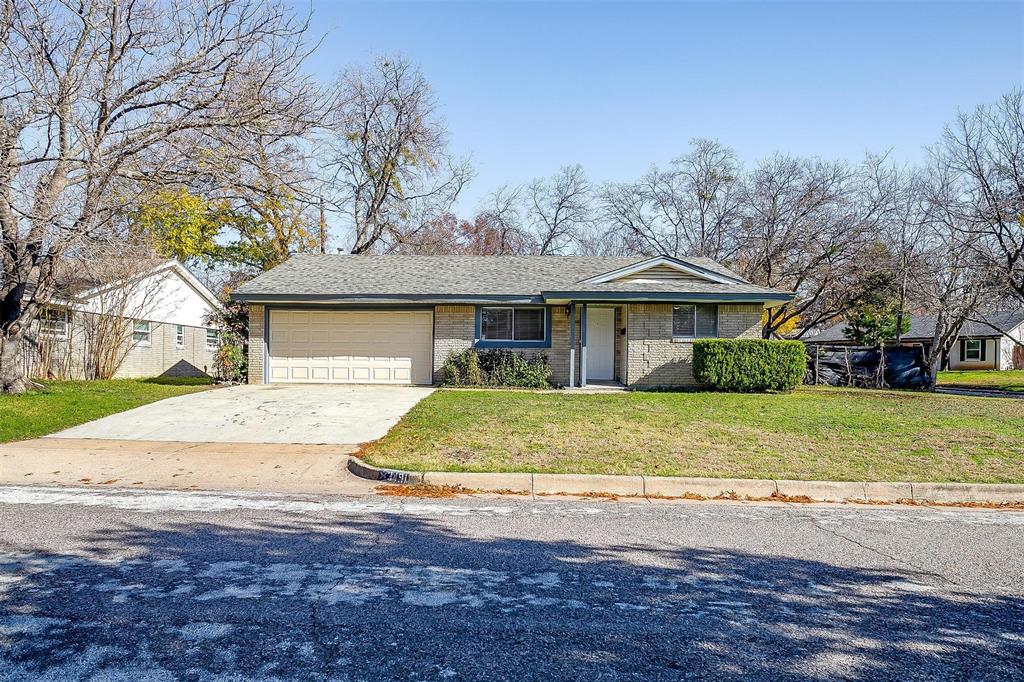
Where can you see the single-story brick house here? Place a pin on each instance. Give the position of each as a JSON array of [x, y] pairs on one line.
[[395, 319]]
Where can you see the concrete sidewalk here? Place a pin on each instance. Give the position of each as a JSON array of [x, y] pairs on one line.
[[265, 467]]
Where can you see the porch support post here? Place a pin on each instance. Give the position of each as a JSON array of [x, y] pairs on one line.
[[583, 346], [572, 345]]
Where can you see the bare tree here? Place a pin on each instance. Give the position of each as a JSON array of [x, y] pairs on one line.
[[693, 208], [806, 228], [499, 228], [560, 210], [951, 280], [103, 97], [390, 171], [982, 156]]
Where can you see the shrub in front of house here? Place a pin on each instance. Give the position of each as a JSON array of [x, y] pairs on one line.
[[748, 365], [495, 367], [230, 362], [462, 369]]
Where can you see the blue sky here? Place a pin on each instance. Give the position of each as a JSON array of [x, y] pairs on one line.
[[526, 87]]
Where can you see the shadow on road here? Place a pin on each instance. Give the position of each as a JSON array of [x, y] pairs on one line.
[[406, 597]]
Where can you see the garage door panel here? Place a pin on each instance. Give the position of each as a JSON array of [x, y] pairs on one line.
[[351, 346]]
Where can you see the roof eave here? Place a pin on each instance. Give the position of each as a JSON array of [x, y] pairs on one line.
[[370, 299], [665, 297]]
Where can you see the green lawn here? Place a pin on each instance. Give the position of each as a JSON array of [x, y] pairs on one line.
[[1003, 380], [62, 404], [812, 433]]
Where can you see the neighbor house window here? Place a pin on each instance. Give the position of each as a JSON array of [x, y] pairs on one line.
[[54, 322], [212, 339], [972, 349], [512, 324], [141, 333], [694, 320], [179, 336]]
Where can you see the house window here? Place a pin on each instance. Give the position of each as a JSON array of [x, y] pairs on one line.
[[694, 320], [53, 322], [141, 333], [212, 339], [179, 336], [972, 349], [512, 324]]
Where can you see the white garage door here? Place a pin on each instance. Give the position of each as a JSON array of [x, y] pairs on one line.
[[350, 347]]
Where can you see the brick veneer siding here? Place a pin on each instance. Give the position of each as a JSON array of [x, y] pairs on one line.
[[162, 357], [454, 331], [68, 357], [620, 344], [256, 344], [655, 360]]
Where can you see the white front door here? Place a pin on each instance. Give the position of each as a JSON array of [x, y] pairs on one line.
[[600, 344]]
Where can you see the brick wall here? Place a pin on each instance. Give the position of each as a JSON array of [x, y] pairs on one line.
[[69, 356], [454, 331], [740, 321], [256, 345], [162, 356], [655, 360]]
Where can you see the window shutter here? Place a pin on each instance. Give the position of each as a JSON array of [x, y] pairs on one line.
[[963, 350], [983, 344]]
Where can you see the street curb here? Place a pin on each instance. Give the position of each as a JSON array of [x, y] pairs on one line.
[[680, 486]]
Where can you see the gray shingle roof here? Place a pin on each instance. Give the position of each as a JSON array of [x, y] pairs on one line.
[[341, 277], [922, 327]]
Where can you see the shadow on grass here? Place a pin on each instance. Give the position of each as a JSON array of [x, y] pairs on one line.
[[179, 381], [401, 597]]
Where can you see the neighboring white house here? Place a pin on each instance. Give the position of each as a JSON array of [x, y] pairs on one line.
[[160, 315], [989, 341]]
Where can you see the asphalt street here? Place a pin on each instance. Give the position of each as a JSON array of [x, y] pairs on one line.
[[140, 585]]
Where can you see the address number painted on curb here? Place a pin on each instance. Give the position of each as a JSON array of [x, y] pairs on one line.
[[393, 476]]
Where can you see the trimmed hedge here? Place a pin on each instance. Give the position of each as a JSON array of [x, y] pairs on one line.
[[749, 365], [495, 367]]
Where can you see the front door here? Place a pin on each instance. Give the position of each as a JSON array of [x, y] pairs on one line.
[[600, 344]]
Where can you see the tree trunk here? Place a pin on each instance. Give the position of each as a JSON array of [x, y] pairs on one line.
[[12, 371]]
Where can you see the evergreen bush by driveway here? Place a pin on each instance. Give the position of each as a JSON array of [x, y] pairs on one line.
[[749, 365]]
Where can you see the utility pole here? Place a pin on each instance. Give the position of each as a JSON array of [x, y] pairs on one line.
[[323, 228]]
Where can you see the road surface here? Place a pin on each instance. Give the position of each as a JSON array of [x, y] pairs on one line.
[[139, 585]]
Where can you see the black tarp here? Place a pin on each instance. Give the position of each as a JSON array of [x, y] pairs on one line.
[[904, 367]]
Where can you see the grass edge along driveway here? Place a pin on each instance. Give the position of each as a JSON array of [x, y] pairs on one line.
[[63, 404], [813, 433]]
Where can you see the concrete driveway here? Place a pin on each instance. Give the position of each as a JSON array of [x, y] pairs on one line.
[[307, 414]]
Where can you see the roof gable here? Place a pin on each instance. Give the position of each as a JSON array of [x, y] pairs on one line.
[[661, 269], [169, 267]]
